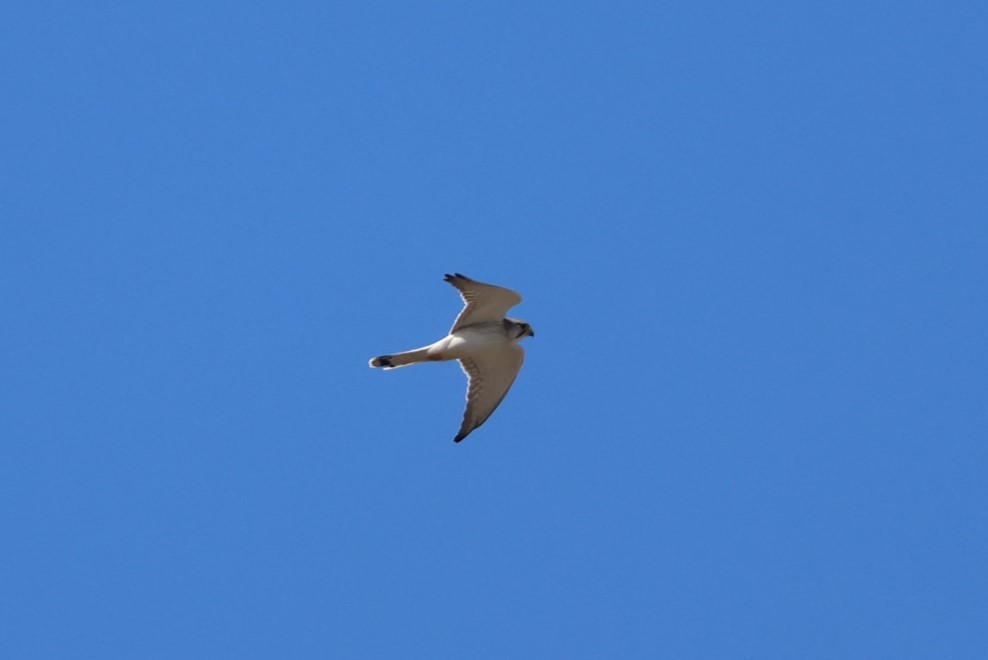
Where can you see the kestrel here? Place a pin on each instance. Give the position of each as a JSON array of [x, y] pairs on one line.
[[485, 342]]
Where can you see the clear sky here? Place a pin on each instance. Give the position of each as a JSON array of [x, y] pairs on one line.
[[752, 241]]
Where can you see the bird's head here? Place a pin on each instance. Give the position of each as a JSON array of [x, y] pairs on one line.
[[522, 330]]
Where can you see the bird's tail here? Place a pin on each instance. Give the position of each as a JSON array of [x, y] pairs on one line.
[[401, 359]]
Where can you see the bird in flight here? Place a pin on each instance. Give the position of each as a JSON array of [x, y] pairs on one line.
[[485, 342]]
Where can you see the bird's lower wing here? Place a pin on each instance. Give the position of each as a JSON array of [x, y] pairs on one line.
[[491, 374]]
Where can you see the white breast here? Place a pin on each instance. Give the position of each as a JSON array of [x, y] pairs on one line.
[[468, 341]]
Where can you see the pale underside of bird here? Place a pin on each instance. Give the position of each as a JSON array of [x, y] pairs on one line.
[[485, 342]]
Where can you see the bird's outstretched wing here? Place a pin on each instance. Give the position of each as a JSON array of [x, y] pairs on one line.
[[491, 374], [484, 302]]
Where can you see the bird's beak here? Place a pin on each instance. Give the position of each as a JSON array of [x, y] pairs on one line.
[[531, 332]]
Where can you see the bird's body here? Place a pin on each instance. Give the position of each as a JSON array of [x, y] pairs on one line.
[[467, 341], [483, 340]]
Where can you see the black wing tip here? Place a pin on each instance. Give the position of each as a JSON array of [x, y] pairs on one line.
[[455, 276], [460, 437]]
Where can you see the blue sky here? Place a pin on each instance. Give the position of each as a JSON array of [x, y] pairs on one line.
[[751, 239]]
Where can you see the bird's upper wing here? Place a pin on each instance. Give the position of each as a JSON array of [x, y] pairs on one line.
[[484, 302], [491, 374]]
